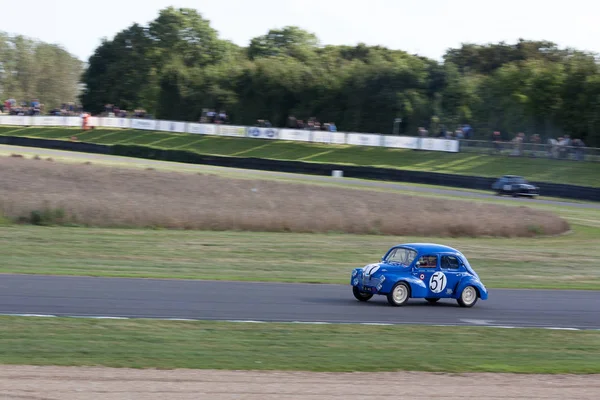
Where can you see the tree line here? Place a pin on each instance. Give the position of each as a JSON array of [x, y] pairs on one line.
[[30, 69], [177, 65]]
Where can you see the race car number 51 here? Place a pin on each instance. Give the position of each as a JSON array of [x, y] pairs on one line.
[[438, 282]]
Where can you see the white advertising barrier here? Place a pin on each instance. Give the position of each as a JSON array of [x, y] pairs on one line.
[[72, 121], [263, 133], [294, 135], [108, 122], [328, 137], [15, 120], [357, 139], [47, 121], [94, 121], [447, 145], [170, 126], [144, 124], [400, 142], [364, 139], [229, 130], [202, 129]]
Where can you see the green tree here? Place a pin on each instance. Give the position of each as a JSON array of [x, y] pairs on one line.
[[132, 69], [177, 65], [32, 69], [119, 72], [290, 41]]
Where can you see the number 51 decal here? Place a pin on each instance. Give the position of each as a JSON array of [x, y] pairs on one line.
[[438, 282]]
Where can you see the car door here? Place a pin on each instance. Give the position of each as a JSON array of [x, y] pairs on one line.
[[507, 186], [426, 269], [498, 185], [451, 267]]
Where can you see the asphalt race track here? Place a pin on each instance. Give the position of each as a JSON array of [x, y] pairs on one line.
[[281, 302], [31, 151]]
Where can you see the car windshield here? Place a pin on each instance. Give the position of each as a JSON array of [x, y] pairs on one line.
[[518, 180], [401, 255]]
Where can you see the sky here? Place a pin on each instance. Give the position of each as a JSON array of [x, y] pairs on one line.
[[425, 27]]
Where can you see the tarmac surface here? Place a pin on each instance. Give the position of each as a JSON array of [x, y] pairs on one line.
[[284, 302]]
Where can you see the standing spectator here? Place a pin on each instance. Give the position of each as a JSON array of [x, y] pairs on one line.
[[423, 133], [35, 107], [459, 134], [222, 117], [467, 131], [497, 142], [291, 122], [579, 147], [211, 115], [535, 144], [519, 141]]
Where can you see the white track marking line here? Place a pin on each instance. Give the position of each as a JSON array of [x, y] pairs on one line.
[[237, 321]]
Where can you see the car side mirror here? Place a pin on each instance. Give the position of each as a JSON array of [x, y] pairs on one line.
[[418, 264]]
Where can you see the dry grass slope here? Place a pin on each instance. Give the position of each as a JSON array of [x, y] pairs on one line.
[[118, 197]]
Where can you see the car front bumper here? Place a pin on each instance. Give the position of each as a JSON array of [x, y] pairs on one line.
[[366, 283]]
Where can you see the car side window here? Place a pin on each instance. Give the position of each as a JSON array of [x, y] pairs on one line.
[[450, 262], [428, 262]]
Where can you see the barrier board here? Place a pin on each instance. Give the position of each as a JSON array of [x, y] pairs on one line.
[[295, 135], [363, 139], [353, 138], [263, 133]]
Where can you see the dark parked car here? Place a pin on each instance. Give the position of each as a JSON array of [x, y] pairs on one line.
[[515, 186]]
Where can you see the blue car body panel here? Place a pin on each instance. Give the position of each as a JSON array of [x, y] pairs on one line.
[[445, 278]]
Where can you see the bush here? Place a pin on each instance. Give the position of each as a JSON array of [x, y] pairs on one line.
[[48, 217]]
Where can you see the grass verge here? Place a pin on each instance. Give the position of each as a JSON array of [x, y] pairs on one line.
[[41, 192], [542, 170], [71, 157], [239, 346], [561, 262]]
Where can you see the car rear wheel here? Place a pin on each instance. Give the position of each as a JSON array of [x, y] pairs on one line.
[[468, 297], [432, 300], [361, 296], [399, 295]]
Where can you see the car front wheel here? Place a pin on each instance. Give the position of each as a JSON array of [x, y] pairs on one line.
[[361, 296], [399, 295], [468, 297]]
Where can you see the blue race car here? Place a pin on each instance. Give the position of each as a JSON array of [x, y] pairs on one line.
[[419, 270]]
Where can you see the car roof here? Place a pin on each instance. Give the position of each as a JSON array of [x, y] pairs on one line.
[[429, 247], [512, 176]]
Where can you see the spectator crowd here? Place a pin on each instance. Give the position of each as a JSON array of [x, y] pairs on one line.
[[35, 107], [562, 147]]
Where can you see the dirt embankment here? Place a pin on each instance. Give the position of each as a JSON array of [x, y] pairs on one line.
[[113, 197], [67, 383]]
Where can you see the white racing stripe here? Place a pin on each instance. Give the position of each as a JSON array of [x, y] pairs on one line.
[[237, 321]]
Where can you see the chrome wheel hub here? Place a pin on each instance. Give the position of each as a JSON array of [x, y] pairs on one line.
[[469, 295], [400, 294]]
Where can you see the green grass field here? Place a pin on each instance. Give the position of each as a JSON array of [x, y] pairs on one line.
[[562, 262], [542, 170], [246, 346], [314, 258]]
